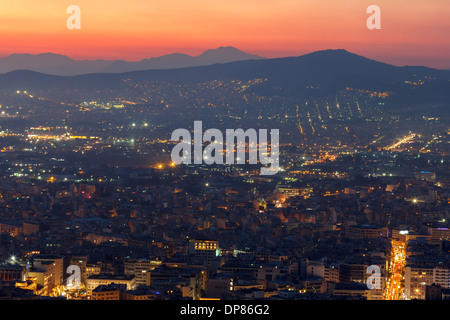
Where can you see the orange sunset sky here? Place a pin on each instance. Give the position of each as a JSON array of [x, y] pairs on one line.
[[413, 32]]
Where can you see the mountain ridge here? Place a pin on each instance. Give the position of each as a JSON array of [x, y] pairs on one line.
[[57, 64], [318, 73]]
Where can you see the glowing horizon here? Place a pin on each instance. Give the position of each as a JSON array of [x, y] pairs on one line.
[[412, 33]]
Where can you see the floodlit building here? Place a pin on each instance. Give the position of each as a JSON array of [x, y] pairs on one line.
[[418, 278], [105, 279], [204, 249], [48, 270]]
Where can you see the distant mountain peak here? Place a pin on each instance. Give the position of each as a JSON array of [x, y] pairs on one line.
[[57, 64], [38, 55], [223, 49], [333, 52], [229, 52]]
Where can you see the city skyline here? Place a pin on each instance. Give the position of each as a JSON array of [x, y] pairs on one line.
[[124, 177]]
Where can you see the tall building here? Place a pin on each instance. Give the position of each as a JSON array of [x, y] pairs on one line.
[[365, 231], [328, 272], [48, 270], [105, 279], [139, 268], [417, 278], [441, 276], [111, 291], [11, 228], [91, 269], [353, 273], [81, 262], [204, 249], [439, 234], [407, 235]]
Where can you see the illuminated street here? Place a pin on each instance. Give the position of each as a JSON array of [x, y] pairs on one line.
[[402, 141], [395, 285]]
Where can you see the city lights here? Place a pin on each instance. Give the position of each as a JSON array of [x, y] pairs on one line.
[[144, 159]]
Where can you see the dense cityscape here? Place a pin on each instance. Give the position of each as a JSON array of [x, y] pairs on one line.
[[89, 192]]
